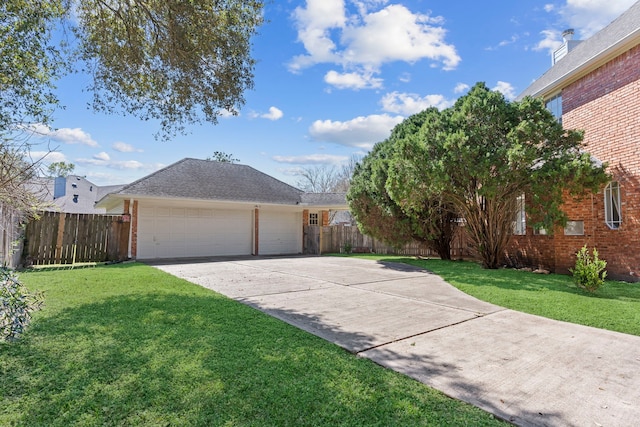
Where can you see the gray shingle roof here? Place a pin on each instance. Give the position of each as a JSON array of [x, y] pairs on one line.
[[324, 199], [625, 29], [212, 180]]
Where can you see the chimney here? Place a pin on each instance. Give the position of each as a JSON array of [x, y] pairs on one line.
[[567, 35], [59, 187], [568, 45]]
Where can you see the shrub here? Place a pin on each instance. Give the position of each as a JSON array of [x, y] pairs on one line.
[[16, 305], [589, 273]]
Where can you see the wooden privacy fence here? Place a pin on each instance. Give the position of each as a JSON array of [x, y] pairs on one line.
[[344, 238], [65, 238]]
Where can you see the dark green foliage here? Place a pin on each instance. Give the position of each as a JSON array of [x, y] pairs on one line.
[[391, 220], [480, 155]]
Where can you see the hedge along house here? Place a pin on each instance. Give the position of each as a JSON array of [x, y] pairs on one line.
[[203, 208], [594, 85]]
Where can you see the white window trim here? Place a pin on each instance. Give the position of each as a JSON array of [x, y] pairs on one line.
[[611, 201], [520, 221], [314, 218]]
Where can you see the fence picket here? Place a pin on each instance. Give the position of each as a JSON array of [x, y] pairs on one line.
[[339, 238], [65, 238]]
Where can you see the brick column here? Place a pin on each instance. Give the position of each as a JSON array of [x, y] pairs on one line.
[[305, 217], [325, 218]]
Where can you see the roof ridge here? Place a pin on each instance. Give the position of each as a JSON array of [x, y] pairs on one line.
[[126, 186]]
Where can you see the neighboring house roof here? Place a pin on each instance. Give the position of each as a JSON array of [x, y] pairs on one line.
[[221, 181], [71, 194], [619, 36]]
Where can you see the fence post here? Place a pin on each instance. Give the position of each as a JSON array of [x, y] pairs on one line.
[[58, 251]]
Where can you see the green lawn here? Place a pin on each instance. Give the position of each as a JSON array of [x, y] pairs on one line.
[[131, 345], [615, 306]]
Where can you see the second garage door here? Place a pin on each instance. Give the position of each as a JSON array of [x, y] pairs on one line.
[[280, 233]]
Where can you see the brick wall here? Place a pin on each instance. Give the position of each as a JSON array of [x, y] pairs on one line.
[[606, 105], [614, 75]]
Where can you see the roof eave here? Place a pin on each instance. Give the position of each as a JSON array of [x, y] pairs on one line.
[[593, 63]]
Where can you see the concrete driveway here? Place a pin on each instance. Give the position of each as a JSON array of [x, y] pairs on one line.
[[526, 369]]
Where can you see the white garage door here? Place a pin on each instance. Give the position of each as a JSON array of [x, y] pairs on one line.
[[165, 232], [280, 233]]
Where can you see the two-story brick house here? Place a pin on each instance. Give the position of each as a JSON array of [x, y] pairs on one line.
[[594, 85]]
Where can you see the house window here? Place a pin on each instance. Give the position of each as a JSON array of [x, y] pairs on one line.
[[612, 212], [75, 198], [540, 231], [554, 104], [520, 221], [313, 219], [574, 228]]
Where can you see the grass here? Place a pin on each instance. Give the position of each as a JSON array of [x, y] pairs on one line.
[[615, 306], [131, 345]]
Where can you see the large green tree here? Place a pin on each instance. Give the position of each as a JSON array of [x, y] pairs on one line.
[[379, 215], [175, 61], [30, 62], [482, 154]]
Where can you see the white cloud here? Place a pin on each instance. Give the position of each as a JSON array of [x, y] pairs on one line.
[[314, 24], [47, 157], [64, 135], [411, 103], [100, 160], [225, 114], [396, 34], [311, 159], [354, 80], [589, 16], [367, 39], [123, 147], [461, 87], [551, 40], [514, 38], [102, 156], [273, 114], [506, 89], [405, 77], [362, 132]]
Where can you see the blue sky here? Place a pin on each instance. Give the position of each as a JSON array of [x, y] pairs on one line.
[[333, 78]]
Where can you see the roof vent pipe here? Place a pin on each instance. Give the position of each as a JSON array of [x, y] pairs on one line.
[[567, 35]]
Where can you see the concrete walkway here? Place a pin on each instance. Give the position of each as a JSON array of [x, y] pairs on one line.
[[526, 369]]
